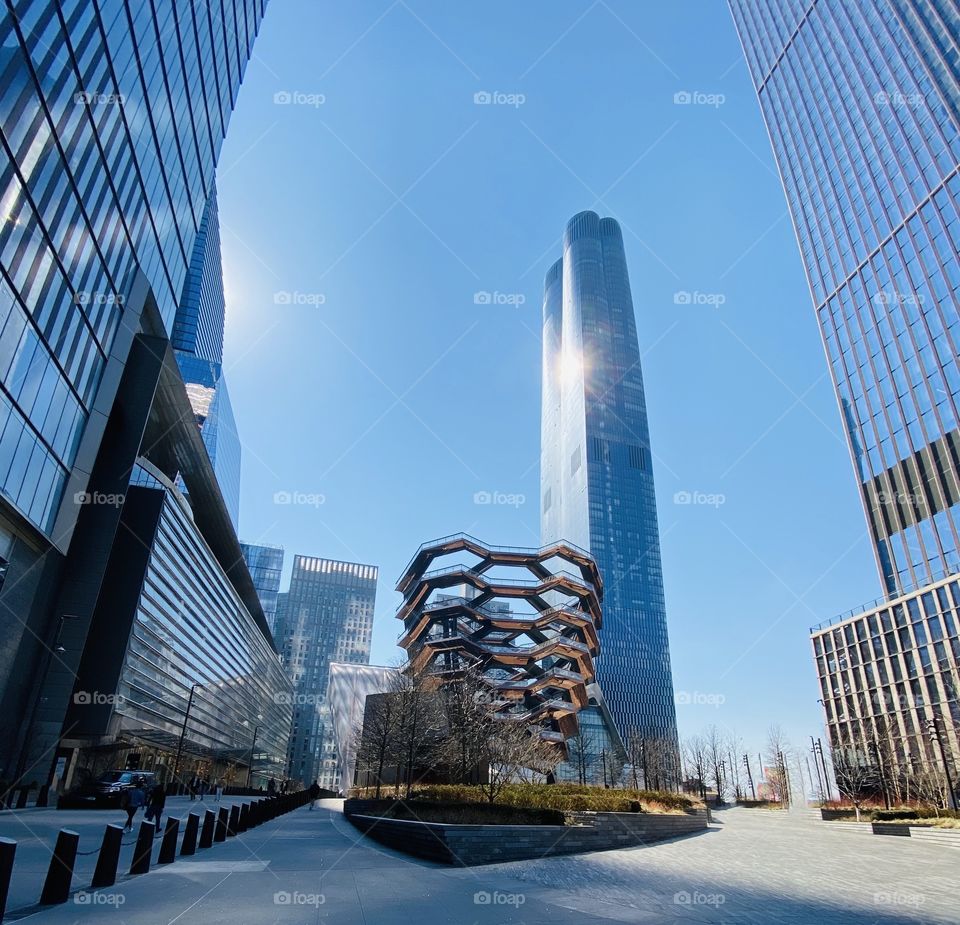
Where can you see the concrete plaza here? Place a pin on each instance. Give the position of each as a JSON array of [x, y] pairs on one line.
[[749, 869]]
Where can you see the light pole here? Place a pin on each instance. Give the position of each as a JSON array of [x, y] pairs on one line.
[[183, 731], [938, 743], [813, 748], [753, 790]]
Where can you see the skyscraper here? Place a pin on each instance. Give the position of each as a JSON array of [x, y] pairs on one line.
[[266, 566], [326, 616], [111, 118], [596, 473], [862, 104]]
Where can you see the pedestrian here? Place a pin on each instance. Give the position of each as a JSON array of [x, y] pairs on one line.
[[193, 786], [219, 789], [272, 788], [131, 800], [156, 800], [313, 793], [204, 786]]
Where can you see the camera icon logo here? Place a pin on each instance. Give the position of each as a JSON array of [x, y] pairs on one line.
[[483, 98]]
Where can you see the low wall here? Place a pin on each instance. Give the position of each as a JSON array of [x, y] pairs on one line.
[[466, 845]]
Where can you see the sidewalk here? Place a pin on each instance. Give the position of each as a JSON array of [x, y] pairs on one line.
[[35, 831], [308, 867]]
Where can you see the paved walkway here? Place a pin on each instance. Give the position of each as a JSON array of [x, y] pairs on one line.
[[310, 867], [35, 832]]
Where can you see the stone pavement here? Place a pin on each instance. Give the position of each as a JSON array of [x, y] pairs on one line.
[[311, 867], [35, 831]]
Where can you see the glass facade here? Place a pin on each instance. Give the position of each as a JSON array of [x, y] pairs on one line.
[[862, 103], [596, 475], [326, 616], [111, 119], [879, 670], [266, 566], [190, 632]]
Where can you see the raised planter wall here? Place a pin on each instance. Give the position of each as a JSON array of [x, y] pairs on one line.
[[467, 845]]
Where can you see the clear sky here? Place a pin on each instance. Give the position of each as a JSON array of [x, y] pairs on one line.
[[366, 198]]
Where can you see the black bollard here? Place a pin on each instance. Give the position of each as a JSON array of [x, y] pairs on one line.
[[108, 860], [254, 817], [189, 845], [244, 822], [22, 799], [8, 848], [43, 797], [206, 834], [143, 848], [56, 888], [220, 832], [168, 847], [233, 826]]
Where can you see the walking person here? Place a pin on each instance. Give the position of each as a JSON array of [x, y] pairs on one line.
[[204, 787], [192, 786], [219, 789], [313, 793], [156, 800], [131, 800]]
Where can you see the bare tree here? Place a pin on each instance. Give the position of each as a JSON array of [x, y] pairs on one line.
[[511, 748], [778, 752], [375, 739], [466, 704], [715, 751], [855, 772], [697, 762], [419, 727]]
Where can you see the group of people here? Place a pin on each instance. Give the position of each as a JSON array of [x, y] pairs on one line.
[[199, 787], [154, 799]]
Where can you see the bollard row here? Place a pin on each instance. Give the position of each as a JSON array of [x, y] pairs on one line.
[[198, 834]]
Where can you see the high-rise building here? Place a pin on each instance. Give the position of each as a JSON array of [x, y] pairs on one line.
[[596, 473], [862, 104], [111, 119], [325, 616], [198, 344], [266, 566]]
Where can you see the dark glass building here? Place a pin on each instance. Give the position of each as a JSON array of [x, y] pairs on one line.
[[111, 119], [862, 104], [326, 616], [266, 567], [596, 472]]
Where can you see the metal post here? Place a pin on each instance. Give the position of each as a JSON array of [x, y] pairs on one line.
[[233, 825], [108, 860], [206, 833], [143, 848], [220, 830], [8, 850], [168, 847], [189, 845], [813, 748], [56, 888], [753, 790], [183, 733]]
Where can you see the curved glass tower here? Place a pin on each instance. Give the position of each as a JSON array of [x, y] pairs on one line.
[[596, 475]]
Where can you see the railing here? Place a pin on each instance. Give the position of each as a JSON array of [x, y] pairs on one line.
[[509, 582], [938, 578]]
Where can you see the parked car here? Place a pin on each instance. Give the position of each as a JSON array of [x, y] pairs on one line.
[[106, 790]]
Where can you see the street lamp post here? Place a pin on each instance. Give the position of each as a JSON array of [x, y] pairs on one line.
[[753, 789], [183, 731], [813, 748]]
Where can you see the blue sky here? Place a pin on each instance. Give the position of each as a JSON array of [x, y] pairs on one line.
[[366, 198]]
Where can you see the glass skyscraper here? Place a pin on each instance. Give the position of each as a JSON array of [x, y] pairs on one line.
[[862, 104], [112, 115], [596, 474], [325, 616], [266, 566]]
